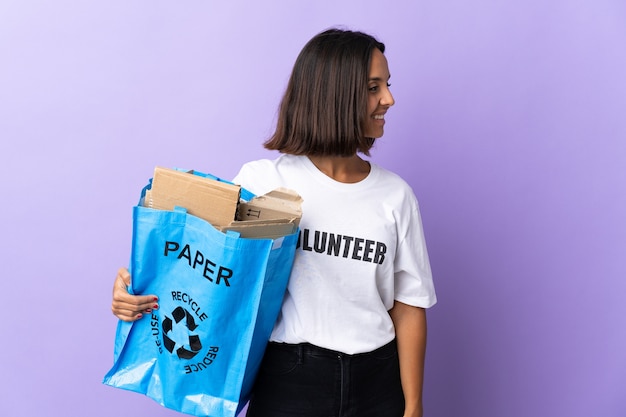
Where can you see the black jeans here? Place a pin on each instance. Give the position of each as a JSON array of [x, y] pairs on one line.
[[305, 380]]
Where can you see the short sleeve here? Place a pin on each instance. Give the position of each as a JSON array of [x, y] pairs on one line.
[[412, 273]]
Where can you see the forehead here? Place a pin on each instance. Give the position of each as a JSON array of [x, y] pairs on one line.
[[379, 69]]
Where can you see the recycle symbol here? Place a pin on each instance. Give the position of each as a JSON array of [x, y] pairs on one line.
[[188, 348]]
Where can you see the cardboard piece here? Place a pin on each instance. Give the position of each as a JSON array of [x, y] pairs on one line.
[[269, 216], [213, 201]]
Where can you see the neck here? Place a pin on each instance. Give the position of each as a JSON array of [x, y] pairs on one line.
[[348, 170]]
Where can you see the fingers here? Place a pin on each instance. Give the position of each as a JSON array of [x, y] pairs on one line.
[[126, 306]]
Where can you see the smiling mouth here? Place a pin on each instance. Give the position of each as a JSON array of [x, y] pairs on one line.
[[379, 117]]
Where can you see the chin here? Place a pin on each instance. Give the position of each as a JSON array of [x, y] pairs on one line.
[[376, 135]]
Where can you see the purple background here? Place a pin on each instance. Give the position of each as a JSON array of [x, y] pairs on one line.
[[510, 125]]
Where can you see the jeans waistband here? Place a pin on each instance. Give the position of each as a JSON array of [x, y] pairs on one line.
[[309, 349]]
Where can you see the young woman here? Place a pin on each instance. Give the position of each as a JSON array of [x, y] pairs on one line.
[[351, 336]]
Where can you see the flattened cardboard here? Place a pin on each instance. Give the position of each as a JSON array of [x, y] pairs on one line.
[[262, 229], [280, 203], [269, 216], [211, 200]]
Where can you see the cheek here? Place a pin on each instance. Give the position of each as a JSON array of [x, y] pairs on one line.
[[372, 104]]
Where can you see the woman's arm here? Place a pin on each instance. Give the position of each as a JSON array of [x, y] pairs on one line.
[[410, 324]]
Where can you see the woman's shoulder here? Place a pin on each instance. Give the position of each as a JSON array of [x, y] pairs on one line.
[[389, 177], [397, 190], [261, 165], [263, 175]]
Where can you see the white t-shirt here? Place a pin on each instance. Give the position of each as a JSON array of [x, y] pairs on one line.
[[361, 247]]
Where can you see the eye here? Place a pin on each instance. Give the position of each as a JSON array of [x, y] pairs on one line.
[[388, 85], [373, 88]]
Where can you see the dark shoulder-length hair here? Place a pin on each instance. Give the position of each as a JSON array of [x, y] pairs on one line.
[[324, 109]]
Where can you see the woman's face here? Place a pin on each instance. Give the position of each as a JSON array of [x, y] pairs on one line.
[[379, 98]]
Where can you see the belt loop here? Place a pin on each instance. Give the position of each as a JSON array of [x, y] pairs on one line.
[[300, 354]]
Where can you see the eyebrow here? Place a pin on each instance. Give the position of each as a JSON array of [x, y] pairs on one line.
[[378, 79]]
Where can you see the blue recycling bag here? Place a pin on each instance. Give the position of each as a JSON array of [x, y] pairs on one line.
[[219, 296]]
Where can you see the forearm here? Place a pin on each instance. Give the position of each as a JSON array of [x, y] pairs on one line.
[[410, 325]]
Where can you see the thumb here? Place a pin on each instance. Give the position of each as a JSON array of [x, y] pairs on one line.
[[123, 277]]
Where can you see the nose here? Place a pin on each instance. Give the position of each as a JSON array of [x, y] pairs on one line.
[[387, 98]]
